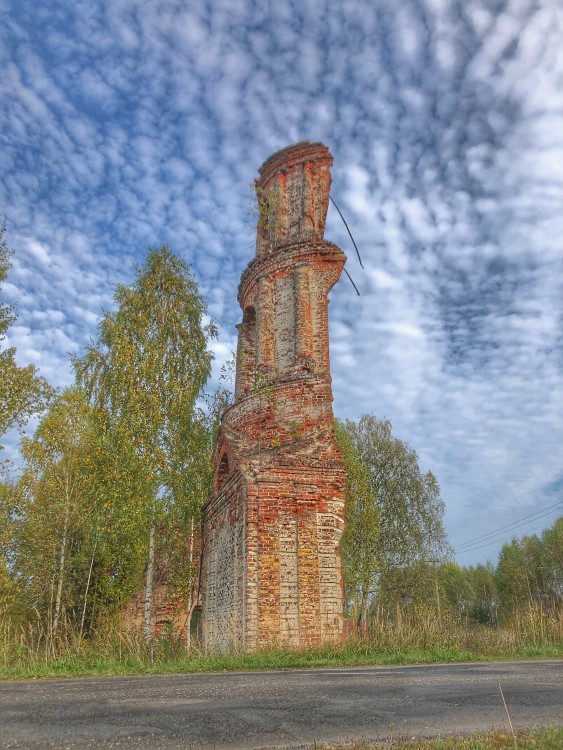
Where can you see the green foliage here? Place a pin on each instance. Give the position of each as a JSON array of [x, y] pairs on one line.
[[530, 571], [151, 363], [360, 548], [521, 595], [115, 651], [22, 392], [395, 554], [552, 559], [7, 316], [125, 457], [265, 207], [122, 457], [457, 589], [55, 490], [264, 388], [10, 586], [144, 376], [73, 544], [295, 429], [394, 511], [484, 604]]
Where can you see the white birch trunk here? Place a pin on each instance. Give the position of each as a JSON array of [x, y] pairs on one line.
[[86, 592], [191, 599], [62, 553], [149, 586]]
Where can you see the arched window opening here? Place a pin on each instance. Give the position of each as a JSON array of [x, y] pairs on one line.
[[249, 317]]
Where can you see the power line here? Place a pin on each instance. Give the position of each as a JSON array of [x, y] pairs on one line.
[[518, 528], [490, 544], [352, 280], [348, 228], [521, 521]]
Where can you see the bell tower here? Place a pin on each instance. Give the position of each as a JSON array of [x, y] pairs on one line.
[[271, 570]]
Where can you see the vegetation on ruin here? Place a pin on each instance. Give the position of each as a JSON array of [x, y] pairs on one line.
[[264, 209], [114, 479]]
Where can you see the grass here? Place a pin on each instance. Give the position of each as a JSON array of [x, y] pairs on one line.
[[538, 739], [103, 660], [26, 653]]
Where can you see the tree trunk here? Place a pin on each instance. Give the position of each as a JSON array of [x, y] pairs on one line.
[[438, 603], [86, 592], [363, 619], [62, 551], [192, 599], [50, 622], [149, 586]]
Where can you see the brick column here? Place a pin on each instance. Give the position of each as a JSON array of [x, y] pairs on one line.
[[309, 594], [246, 356], [303, 319], [241, 369], [265, 326]]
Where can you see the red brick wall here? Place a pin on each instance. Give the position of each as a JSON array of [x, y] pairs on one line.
[[271, 565]]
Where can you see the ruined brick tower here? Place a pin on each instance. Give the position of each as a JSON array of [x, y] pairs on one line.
[[271, 566]]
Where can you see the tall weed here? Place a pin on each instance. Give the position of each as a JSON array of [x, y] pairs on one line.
[[416, 635]]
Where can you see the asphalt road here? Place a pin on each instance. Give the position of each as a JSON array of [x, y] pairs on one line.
[[278, 709]]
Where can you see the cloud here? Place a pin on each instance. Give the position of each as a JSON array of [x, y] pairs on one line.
[[129, 124]]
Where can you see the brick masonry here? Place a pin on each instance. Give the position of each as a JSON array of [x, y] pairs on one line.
[[271, 572], [169, 611]]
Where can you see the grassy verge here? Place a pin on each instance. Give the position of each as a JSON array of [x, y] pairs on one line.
[[104, 659], [540, 739], [27, 652]]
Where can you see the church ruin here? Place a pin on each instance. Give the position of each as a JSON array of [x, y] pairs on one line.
[[271, 570]]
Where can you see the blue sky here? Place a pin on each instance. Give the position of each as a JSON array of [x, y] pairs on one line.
[[128, 123]]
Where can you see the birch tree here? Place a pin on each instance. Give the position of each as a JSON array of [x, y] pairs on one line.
[[360, 547], [394, 511], [22, 391], [145, 372], [57, 491], [10, 584]]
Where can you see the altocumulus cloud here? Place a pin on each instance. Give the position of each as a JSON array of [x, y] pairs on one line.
[[127, 124]]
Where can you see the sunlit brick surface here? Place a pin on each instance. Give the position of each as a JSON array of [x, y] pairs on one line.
[[271, 567]]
